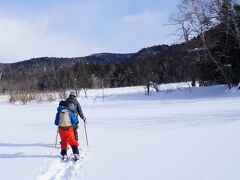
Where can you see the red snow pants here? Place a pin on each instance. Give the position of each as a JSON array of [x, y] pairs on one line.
[[67, 137]]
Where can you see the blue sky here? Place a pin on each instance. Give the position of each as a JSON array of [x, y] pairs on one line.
[[73, 28]]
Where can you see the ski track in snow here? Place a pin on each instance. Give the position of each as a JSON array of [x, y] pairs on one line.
[[60, 170]]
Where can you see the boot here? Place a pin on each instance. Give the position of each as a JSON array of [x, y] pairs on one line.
[[75, 153], [76, 157], [63, 152], [64, 155], [75, 150]]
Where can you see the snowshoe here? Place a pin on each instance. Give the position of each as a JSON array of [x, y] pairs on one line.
[[64, 157], [75, 157]]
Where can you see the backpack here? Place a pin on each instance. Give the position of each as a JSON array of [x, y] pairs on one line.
[[64, 118], [71, 106]]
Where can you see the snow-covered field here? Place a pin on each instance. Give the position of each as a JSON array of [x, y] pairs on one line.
[[181, 134]]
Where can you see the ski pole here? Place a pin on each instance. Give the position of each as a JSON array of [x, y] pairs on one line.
[[55, 144], [86, 132]]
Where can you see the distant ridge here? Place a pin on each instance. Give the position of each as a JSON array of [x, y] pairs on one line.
[[36, 66]]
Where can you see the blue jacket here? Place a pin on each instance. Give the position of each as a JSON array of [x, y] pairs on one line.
[[72, 118]]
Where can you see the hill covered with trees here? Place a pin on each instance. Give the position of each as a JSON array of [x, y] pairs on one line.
[[209, 54]]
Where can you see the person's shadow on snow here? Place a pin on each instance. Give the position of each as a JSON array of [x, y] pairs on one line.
[[26, 145], [24, 154]]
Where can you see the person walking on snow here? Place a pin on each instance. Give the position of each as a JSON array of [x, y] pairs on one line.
[[74, 106], [66, 121]]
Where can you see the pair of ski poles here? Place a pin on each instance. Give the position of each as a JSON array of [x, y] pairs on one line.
[[85, 130]]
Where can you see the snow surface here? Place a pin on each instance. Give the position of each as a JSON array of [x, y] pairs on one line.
[[180, 133]]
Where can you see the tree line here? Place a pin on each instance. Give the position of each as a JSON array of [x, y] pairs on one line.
[[209, 54]]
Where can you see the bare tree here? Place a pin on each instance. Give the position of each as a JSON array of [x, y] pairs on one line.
[[197, 17], [228, 13]]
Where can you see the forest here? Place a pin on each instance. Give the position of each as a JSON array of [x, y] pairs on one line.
[[209, 53]]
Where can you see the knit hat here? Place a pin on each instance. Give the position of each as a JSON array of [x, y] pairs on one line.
[[72, 93], [62, 103]]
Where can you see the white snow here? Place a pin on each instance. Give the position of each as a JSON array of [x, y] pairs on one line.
[[179, 133]]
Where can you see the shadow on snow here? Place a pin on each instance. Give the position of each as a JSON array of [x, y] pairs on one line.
[[26, 145], [23, 155]]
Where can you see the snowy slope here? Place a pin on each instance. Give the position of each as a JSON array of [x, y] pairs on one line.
[[174, 134]]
